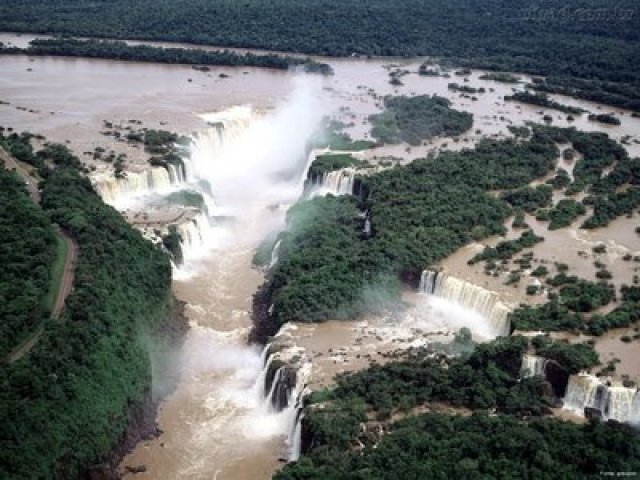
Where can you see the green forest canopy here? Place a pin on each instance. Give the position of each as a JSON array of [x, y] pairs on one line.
[[419, 214], [588, 48], [349, 431], [54, 423], [27, 252]]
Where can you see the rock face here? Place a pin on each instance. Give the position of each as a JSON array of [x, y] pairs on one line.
[[558, 377], [591, 413]]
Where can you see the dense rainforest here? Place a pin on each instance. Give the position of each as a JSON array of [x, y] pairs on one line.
[[372, 423], [54, 424], [418, 118], [118, 50], [588, 49], [330, 266], [27, 253]]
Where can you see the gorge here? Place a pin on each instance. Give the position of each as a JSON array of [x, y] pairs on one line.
[[364, 269]]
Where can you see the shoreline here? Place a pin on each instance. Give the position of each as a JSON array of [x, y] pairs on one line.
[[142, 424]]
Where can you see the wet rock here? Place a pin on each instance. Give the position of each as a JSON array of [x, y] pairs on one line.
[[136, 469], [557, 376], [591, 413]]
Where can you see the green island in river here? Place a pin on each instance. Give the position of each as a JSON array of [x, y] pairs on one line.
[[319, 240]]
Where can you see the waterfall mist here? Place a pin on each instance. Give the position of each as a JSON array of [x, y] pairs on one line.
[[436, 314], [251, 165], [260, 163]]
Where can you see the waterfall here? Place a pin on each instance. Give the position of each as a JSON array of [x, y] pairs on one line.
[[468, 295], [295, 438], [134, 184], [274, 255], [225, 128], [195, 233], [533, 366], [366, 229], [613, 401], [336, 182], [339, 182], [281, 385]]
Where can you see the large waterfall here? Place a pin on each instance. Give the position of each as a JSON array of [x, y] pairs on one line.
[[152, 180], [612, 400], [224, 128], [281, 385], [468, 295], [195, 235]]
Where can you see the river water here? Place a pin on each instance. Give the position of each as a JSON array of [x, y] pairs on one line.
[[214, 425]]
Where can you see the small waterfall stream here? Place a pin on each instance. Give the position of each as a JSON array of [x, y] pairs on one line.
[[533, 366], [274, 255]]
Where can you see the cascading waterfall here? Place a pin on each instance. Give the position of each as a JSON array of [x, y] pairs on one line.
[[274, 255], [336, 182], [533, 366], [195, 234], [281, 385], [468, 295], [613, 400], [225, 128], [155, 179]]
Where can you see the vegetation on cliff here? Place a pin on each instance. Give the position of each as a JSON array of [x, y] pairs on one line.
[[67, 402], [330, 267], [480, 446], [330, 162], [27, 253], [370, 424]]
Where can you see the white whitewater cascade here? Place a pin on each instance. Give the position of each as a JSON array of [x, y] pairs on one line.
[[153, 180], [614, 400], [283, 395], [274, 255], [468, 295], [196, 234], [339, 182], [178, 174], [533, 366], [225, 128]]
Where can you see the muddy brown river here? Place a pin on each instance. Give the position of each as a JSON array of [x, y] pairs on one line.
[[214, 425]]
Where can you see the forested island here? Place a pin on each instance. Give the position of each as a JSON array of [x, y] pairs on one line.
[[385, 212], [442, 202], [588, 59], [55, 422], [418, 118], [118, 50], [316, 280]]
